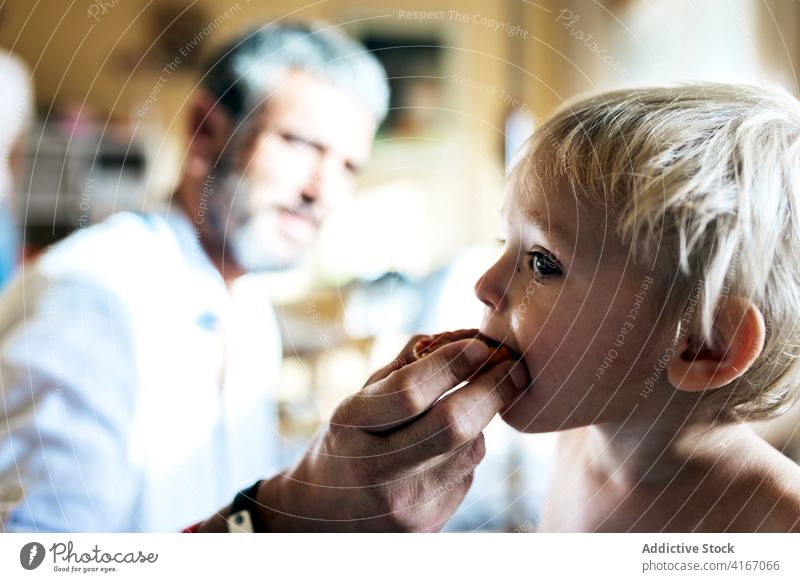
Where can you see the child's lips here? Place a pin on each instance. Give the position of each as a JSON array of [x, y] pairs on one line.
[[520, 361], [513, 354], [499, 351]]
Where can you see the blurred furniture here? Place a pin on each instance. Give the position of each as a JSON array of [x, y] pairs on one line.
[[77, 175]]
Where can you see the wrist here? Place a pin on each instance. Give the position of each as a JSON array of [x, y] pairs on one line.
[[275, 507], [269, 505]]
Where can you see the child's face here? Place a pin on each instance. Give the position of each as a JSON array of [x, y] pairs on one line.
[[566, 294]]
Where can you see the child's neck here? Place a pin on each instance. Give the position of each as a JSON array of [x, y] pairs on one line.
[[655, 450]]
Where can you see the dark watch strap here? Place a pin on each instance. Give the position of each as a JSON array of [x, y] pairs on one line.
[[245, 516]]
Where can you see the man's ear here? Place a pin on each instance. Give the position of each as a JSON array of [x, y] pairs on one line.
[[738, 339], [209, 131]]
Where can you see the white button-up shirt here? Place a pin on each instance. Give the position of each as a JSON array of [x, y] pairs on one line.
[[135, 385]]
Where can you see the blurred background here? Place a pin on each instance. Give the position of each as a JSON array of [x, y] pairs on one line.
[[470, 80]]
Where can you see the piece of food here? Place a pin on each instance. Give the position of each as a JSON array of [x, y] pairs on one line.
[[498, 352]]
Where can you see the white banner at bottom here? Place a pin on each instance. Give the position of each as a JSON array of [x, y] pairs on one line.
[[389, 557]]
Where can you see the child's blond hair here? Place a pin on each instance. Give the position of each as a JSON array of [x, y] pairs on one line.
[[704, 181]]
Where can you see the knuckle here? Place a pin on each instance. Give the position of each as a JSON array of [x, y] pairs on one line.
[[455, 426], [343, 413], [409, 401], [352, 412], [477, 450], [399, 379]]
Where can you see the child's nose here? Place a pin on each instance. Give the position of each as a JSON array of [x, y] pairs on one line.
[[489, 288]]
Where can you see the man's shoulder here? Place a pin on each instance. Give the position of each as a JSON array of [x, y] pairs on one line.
[[123, 240], [126, 251]]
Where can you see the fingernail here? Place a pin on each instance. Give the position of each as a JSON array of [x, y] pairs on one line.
[[519, 376], [476, 352]]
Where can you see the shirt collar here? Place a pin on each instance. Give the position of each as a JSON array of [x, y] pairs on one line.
[[188, 238]]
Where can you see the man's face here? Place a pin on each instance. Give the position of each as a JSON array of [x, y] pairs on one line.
[[308, 144]]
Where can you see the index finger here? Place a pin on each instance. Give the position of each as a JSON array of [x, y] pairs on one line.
[[462, 415], [409, 391], [405, 357]]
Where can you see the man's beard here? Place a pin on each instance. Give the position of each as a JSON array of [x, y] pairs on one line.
[[248, 247], [243, 233]]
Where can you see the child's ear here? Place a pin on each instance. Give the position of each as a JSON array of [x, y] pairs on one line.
[[737, 338]]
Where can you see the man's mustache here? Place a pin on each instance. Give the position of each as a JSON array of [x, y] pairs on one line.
[[240, 190], [304, 209]]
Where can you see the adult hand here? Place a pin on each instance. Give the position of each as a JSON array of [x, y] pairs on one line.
[[393, 457]]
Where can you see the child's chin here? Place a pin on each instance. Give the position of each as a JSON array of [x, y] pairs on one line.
[[531, 413], [520, 417]]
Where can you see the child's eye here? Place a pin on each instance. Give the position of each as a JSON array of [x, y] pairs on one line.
[[544, 264]]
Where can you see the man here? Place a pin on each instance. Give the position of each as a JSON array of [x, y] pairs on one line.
[[135, 367]]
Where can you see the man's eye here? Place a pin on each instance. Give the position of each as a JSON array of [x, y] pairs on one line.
[[543, 264], [298, 141], [294, 139]]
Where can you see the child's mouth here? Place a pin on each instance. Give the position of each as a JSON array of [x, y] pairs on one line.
[[500, 352]]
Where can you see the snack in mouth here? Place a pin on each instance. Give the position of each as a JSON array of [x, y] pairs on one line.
[[499, 352]]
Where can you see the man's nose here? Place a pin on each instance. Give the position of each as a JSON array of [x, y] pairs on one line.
[[324, 184]]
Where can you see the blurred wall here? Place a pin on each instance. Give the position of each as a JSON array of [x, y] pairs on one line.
[[108, 57], [104, 52], [105, 56]]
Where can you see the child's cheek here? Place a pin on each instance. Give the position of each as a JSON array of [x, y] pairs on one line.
[[542, 344], [532, 316]]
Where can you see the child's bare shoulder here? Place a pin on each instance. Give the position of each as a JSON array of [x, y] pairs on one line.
[[760, 489]]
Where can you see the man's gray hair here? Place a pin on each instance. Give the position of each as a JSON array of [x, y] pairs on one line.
[[243, 73]]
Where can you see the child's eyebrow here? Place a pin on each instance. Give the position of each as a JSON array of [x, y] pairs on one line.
[[541, 221]]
